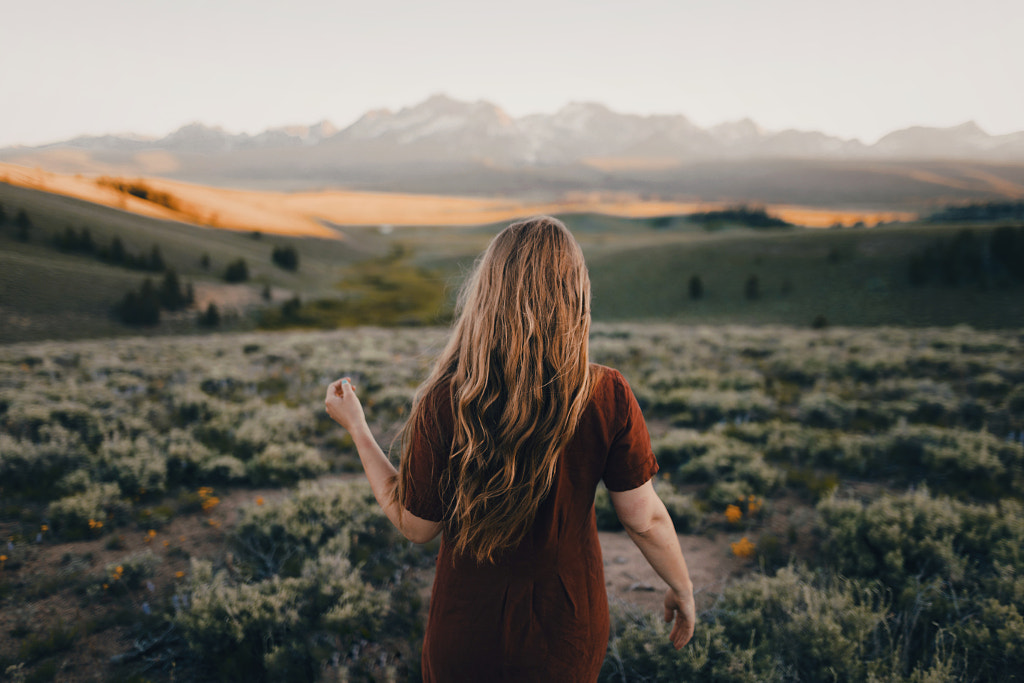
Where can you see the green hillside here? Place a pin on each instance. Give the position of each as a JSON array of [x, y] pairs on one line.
[[641, 269], [45, 293], [850, 277]]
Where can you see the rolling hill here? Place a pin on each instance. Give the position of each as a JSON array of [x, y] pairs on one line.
[[640, 270]]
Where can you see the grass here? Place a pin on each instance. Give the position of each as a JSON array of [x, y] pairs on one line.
[[850, 277], [46, 294], [640, 269]]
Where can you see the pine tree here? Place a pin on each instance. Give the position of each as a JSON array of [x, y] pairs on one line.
[[156, 260], [171, 296], [24, 225], [117, 252], [696, 287], [752, 288], [211, 317]]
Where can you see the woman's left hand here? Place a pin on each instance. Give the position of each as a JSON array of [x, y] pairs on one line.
[[343, 405]]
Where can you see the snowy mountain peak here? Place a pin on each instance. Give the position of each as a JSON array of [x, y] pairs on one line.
[[732, 132], [444, 128]]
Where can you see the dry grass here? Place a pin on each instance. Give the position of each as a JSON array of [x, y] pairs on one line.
[[305, 213]]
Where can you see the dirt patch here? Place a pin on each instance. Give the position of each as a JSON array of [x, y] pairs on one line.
[[630, 580]]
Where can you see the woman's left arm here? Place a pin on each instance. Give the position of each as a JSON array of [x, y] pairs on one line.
[[344, 408]]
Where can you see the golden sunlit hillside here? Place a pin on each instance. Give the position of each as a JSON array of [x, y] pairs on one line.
[[311, 213]]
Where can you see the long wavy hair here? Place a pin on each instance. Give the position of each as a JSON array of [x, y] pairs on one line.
[[516, 368]]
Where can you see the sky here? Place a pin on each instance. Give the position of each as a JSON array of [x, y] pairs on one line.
[[856, 69]]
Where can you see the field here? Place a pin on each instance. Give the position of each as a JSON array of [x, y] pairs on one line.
[[640, 268], [309, 214], [180, 508]]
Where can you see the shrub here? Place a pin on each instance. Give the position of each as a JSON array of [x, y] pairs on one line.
[[286, 257], [732, 470], [306, 592], [280, 629], [33, 469], [285, 464], [135, 464], [224, 469], [794, 626], [236, 271], [903, 538], [132, 569], [70, 516], [938, 556], [275, 538]]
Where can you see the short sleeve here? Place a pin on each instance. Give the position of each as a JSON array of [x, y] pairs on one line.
[[631, 462], [427, 460]]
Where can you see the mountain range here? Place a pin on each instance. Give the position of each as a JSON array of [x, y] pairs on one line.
[[447, 145], [445, 129]]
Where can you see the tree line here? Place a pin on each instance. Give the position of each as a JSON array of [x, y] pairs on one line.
[[997, 259], [980, 212]]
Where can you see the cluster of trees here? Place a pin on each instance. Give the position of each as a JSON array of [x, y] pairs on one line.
[[21, 221], [980, 211], [138, 188], [751, 217], [969, 259], [143, 307], [115, 253]]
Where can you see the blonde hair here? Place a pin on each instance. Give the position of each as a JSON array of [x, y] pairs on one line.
[[517, 368]]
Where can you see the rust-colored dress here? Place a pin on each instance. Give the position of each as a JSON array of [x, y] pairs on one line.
[[541, 613]]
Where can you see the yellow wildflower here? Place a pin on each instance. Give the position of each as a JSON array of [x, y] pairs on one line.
[[179, 574], [743, 548], [259, 500], [733, 514]]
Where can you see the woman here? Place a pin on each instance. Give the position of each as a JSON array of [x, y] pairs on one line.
[[507, 441]]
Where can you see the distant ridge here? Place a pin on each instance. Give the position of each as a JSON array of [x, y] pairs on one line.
[[451, 146], [474, 131]]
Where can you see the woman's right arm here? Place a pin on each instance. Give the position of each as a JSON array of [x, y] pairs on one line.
[[647, 522]]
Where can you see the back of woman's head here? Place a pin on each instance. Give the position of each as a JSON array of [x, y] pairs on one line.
[[517, 367]]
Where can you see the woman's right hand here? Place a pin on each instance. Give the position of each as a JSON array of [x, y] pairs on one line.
[[343, 405], [682, 608]]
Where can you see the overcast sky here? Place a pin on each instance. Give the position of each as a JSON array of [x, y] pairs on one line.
[[851, 68]]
